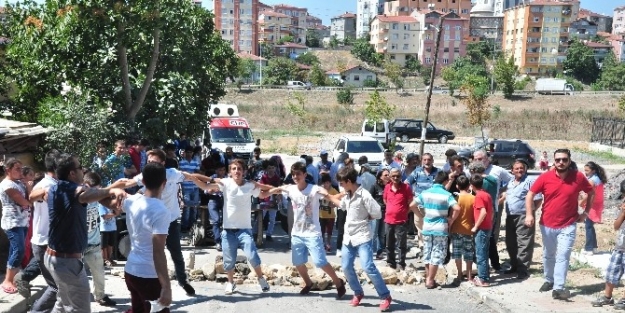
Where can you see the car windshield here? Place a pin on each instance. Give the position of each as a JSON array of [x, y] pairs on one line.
[[364, 147], [232, 135]]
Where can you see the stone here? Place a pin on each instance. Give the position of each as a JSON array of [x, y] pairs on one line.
[[219, 258], [241, 259], [219, 267], [242, 268], [209, 271], [239, 281], [221, 279], [117, 273], [403, 277], [335, 266], [309, 265], [389, 275], [196, 272]]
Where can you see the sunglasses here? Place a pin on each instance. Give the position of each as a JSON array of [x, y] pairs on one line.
[[561, 160]]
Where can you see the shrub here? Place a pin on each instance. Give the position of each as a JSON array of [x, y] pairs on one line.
[[369, 83], [345, 96]]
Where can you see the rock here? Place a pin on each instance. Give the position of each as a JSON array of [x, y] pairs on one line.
[[241, 259], [441, 276], [403, 277], [320, 282], [309, 266], [297, 281], [242, 268], [335, 266], [389, 275], [172, 274], [196, 272], [291, 271], [419, 278], [209, 271], [219, 258], [410, 280], [239, 281], [219, 267]]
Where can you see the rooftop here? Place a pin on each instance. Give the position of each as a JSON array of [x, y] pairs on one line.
[[291, 45], [399, 19], [10, 130], [245, 55], [288, 6], [346, 15], [273, 14], [598, 45], [583, 13]]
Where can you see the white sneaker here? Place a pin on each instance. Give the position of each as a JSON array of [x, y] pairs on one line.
[[230, 288], [263, 284]]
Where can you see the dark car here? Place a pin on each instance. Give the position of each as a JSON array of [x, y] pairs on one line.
[[504, 152], [407, 129]]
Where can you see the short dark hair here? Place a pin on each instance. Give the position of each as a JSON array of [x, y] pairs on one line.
[[477, 181], [169, 147], [309, 159], [9, 164], [257, 149], [158, 153], [49, 160], [93, 179], [120, 142], [363, 159], [325, 178], [220, 165], [154, 175], [144, 142], [239, 162], [347, 174], [441, 177], [65, 164], [298, 166], [454, 158], [565, 151], [462, 182]]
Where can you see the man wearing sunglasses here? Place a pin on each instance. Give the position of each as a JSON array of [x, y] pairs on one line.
[[560, 188]]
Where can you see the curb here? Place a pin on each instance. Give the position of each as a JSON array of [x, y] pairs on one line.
[[486, 299]]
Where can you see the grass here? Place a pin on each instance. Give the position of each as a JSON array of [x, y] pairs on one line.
[[577, 265], [272, 134], [603, 156]]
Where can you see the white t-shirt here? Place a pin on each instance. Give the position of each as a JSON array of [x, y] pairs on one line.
[[237, 203], [145, 217], [41, 217], [170, 193], [305, 210]]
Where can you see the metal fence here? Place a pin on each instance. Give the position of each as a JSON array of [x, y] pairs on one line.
[[608, 131]]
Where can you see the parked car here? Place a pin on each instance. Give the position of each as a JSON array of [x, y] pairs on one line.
[[407, 129], [358, 146], [381, 131], [295, 84], [503, 152], [437, 90]]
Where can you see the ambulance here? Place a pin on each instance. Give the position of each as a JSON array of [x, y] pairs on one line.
[[227, 129]]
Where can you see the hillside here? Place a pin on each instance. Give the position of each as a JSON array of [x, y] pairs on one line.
[[331, 59]]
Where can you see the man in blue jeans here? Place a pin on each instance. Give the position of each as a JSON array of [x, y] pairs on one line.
[[215, 206], [560, 188], [190, 192]]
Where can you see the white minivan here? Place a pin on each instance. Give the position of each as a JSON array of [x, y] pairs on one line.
[[380, 131], [296, 84]]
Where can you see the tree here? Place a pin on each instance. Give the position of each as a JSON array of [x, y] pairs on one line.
[[307, 59], [317, 76], [612, 74], [580, 63], [621, 106], [394, 73], [334, 42], [413, 65], [476, 88], [146, 57], [266, 51], [345, 96], [426, 74], [479, 51], [287, 38], [312, 39], [505, 73], [364, 51], [246, 69], [279, 71], [456, 73], [348, 40], [377, 109]]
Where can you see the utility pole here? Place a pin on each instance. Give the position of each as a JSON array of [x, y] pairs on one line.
[[424, 127]]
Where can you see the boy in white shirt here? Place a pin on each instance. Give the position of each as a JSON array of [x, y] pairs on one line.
[[306, 233]]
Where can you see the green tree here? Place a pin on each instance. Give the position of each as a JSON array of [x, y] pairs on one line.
[[312, 39], [413, 65], [334, 42], [308, 59], [287, 38], [348, 41], [345, 96], [266, 51], [612, 74], [476, 88], [246, 69], [505, 75], [456, 73], [159, 62], [426, 74], [317, 76], [279, 71], [478, 52], [580, 63], [364, 51], [377, 108], [621, 106], [394, 73]]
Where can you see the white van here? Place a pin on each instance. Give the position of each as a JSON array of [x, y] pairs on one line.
[[228, 129], [296, 84], [380, 131]]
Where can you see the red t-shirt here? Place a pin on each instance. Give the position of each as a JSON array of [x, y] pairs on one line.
[[135, 156], [483, 200], [397, 203], [560, 197]]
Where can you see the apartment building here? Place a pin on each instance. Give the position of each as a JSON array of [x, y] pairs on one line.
[[343, 26], [502, 5], [599, 50], [583, 29], [618, 46], [603, 22], [453, 43], [537, 34], [406, 7], [399, 37], [313, 21], [237, 21], [485, 24], [618, 21], [197, 3], [298, 20], [366, 11], [273, 26]]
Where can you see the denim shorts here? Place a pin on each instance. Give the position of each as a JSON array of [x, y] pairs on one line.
[[17, 246], [614, 271], [232, 240], [301, 246], [434, 249], [191, 196], [462, 246]]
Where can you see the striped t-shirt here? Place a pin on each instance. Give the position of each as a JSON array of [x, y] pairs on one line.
[[436, 202], [190, 167]]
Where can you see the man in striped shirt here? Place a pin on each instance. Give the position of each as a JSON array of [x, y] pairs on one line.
[[434, 207], [190, 192]]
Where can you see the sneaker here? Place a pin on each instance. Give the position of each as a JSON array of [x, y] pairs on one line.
[[620, 304], [230, 288], [218, 247], [23, 287], [385, 305], [269, 238], [106, 301], [263, 284], [188, 289], [356, 300], [561, 294], [603, 300], [546, 287], [340, 291]]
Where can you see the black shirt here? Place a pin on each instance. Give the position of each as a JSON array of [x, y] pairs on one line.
[[68, 219]]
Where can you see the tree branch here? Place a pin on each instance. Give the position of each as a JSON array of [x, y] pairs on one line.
[[156, 34], [122, 58]]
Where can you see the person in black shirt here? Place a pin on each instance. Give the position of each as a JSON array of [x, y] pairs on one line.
[[171, 161]]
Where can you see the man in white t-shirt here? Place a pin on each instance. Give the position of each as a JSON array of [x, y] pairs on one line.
[[237, 222], [170, 198], [306, 233], [148, 220]]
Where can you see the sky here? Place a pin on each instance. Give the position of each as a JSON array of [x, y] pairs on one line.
[[326, 9]]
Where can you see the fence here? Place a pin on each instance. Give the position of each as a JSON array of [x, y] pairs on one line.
[[608, 131]]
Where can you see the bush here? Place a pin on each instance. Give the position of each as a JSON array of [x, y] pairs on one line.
[[576, 83], [522, 84], [370, 83], [345, 96]]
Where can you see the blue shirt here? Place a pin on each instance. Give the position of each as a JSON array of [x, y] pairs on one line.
[[420, 181], [190, 167], [107, 224], [93, 224], [436, 202], [515, 195], [68, 219]]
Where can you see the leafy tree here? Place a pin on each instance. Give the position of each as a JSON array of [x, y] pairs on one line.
[[345, 96], [364, 51], [370, 83], [317, 76], [279, 71], [505, 73], [246, 69], [287, 38], [621, 106], [145, 57], [308, 59], [348, 41], [394, 73], [266, 51], [377, 108], [456, 73], [612, 74], [413, 65], [581, 64], [312, 39], [476, 88], [426, 74], [479, 51], [334, 42]]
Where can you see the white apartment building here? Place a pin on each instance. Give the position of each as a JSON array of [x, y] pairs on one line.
[[366, 11]]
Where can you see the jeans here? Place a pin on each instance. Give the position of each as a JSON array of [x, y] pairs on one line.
[[46, 302], [73, 283], [191, 199], [233, 239], [302, 246], [376, 245], [17, 246], [32, 270], [591, 235], [93, 259], [482, 240], [215, 207], [272, 221], [349, 253], [557, 247], [396, 235], [175, 250]]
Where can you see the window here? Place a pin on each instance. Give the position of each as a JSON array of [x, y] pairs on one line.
[[446, 37], [427, 37], [370, 77], [546, 29], [458, 27], [395, 36], [535, 19], [465, 11], [428, 49], [393, 46], [456, 50], [356, 77], [406, 36], [543, 60], [446, 50], [340, 146], [395, 26], [445, 61], [457, 36], [446, 27], [405, 46], [552, 60], [392, 57], [406, 26], [554, 40], [428, 60]]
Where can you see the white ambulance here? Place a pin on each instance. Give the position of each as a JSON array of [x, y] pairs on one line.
[[228, 129]]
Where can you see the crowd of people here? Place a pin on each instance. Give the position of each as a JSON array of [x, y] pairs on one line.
[[67, 216]]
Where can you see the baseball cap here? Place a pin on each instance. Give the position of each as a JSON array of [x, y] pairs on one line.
[[323, 152], [450, 152]]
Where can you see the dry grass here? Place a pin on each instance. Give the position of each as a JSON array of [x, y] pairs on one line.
[[330, 59], [538, 118]]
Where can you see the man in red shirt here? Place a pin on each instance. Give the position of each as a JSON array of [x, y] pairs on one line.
[[397, 197], [134, 150], [560, 188]]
